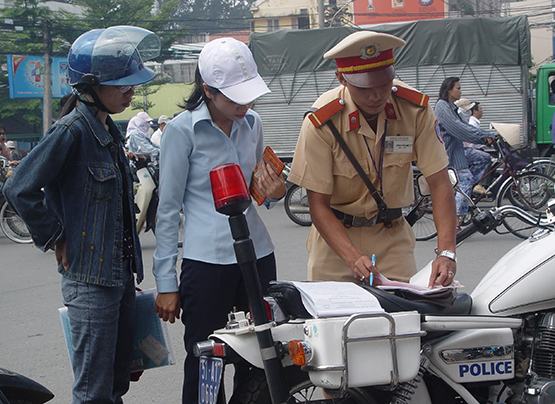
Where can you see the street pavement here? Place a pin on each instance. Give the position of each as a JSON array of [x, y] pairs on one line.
[[31, 340]]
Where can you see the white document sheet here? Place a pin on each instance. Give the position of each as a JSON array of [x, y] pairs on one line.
[[415, 287], [334, 299]]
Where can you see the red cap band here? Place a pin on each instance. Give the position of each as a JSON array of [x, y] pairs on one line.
[[357, 64]]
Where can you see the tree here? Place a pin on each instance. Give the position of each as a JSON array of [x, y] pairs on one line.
[[143, 92], [465, 7], [215, 15], [22, 32], [153, 15]]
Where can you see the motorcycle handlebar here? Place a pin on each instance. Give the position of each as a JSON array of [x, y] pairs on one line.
[[510, 210], [490, 220], [466, 232]]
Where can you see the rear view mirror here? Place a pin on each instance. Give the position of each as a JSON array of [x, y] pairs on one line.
[[424, 188]]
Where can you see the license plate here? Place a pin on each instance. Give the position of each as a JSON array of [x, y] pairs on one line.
[[210, 376]]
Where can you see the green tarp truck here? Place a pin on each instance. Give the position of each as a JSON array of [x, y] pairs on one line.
[[490, 55]]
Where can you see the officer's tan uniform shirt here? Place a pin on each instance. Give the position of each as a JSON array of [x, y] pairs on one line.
[[320, 165]]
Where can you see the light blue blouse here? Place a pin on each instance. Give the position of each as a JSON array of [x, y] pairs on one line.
[[191, 146]]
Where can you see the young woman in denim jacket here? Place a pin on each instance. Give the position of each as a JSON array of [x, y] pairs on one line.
[[74, 192], [217, 127]]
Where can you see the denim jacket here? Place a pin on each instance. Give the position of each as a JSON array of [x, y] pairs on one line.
[[70, 187]]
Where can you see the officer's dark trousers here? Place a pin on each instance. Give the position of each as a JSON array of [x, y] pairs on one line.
[[208, 293]]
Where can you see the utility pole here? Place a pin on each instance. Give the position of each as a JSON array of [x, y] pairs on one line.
[[47, 77], [321, 23]]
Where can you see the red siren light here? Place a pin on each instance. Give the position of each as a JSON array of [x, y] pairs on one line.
[[229, 189]]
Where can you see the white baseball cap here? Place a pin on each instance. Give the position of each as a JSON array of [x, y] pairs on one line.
[[227, 64], [163, 119]]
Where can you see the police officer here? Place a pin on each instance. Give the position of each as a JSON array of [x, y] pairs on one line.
[[387, 126]]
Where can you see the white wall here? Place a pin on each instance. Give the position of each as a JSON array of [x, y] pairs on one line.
[[540, 19]]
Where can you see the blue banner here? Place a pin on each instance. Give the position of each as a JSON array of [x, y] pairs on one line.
[[26, 76]]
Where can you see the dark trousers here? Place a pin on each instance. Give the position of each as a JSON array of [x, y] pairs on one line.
[[208, 293]]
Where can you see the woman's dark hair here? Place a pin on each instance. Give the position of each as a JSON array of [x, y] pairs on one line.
[[475, 107], [447, 86], [67, 104], [197, 96]]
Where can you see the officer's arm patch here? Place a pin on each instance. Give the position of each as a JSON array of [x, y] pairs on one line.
[[411, 95], [326, 112]]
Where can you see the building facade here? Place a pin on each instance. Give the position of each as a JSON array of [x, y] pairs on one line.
[[368, 12], [273, 15]]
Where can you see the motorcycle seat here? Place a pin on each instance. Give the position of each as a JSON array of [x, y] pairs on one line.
[[290, 303], [458, 304]]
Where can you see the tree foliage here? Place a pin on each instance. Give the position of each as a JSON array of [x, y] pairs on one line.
[[215, 15], [22, 32], [23, 26], [155, 15]]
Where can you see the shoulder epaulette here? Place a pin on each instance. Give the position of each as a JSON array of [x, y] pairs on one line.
[[326, 112], [411, 95]]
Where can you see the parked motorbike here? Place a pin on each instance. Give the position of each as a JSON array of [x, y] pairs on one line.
[[11, 224], [149, 170], [18, 389], [496, 345], [296, 205]]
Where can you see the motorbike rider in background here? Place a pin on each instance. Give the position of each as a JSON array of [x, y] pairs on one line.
[[86, 212], [143, 151]]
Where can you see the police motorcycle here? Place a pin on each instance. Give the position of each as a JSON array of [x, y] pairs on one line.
[[495, 345]]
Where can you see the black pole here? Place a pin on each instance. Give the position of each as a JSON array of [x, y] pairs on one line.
[[246, 258]]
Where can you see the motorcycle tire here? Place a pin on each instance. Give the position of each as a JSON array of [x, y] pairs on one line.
[[13, 226], [255, 391], [296, 205], [530, 191]]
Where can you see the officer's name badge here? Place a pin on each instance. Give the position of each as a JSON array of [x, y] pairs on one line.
[[398, 144]]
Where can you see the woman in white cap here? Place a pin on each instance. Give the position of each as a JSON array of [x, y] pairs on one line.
[[217, 127]]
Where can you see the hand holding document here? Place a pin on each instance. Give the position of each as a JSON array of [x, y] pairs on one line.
[[416, 287], [151, 343], [269, 157], [335, 299]]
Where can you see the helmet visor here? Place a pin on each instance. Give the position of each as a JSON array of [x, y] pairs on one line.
[[119, 54]]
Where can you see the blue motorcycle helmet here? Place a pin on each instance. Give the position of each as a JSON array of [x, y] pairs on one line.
[[112, 56]]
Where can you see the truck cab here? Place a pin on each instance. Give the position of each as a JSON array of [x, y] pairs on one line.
[[545, 108]]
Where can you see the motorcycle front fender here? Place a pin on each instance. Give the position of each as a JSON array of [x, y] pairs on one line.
[[246, 346]]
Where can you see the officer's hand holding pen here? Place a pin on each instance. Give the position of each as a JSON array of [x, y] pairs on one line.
[[365, 270]]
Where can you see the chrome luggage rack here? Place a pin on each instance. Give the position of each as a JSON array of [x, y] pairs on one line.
[[346, 340]]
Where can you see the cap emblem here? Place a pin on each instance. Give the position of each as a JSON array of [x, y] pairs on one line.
[[369, 52]]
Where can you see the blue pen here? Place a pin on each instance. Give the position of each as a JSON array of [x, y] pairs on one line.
[[371, 279]]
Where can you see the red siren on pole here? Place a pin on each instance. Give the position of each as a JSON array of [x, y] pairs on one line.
[[229, 189]]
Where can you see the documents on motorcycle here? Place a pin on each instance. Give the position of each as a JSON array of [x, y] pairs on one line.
[[333, 299]]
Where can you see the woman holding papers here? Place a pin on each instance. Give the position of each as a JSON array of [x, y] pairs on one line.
[[217, 127], [74, 192]]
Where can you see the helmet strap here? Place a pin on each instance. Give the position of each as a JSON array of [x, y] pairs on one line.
[[86, 92]]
